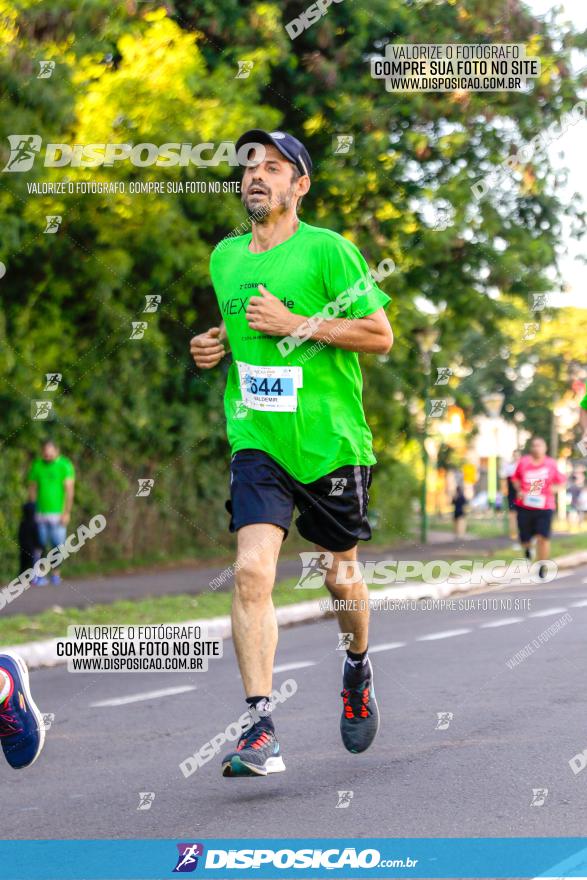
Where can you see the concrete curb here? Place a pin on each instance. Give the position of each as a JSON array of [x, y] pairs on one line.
[[44, 653], [572, 560]]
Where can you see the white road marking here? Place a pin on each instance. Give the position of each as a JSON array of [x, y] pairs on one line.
[[447, 634], [546, 612], [285, 667], [149, 695], [580, 604], [505, 621], [386, 646]]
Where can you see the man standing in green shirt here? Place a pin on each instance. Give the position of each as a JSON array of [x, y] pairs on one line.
[[51, 480], [298, 303]]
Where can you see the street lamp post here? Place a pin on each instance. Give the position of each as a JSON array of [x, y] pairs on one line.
[[493, 404], [426, 338]]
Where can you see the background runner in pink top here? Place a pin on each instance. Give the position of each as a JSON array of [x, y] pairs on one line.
[[536, 481]]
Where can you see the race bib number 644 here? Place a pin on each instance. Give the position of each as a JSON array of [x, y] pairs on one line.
[[270, 389]]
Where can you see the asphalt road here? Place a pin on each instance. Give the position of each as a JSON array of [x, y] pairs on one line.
[[513, 730]]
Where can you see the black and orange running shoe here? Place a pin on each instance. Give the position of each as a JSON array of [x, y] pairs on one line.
[[257, 754], [359, 722]]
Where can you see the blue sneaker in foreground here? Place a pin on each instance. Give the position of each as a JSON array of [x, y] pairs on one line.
[[22, 731], [360, 716], [257, 754]]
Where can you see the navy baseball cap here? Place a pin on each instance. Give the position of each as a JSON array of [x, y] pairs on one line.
[[289, 146]]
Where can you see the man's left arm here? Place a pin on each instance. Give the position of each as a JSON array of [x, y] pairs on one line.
[[69, 493], [371, 334], [350, 292], [69, 485]]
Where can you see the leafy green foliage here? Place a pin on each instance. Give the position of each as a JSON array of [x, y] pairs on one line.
[[134, 73]]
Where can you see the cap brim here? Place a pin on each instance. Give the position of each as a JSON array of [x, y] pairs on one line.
[[259, 136]]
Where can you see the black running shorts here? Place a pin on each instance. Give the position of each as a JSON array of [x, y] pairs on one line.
[[532, 521], [332, 509]]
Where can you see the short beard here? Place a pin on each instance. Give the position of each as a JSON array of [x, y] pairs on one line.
[[261, 214]]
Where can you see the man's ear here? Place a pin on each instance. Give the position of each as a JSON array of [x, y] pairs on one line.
[[303, 185]]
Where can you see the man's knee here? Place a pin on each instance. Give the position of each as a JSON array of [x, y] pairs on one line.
[[342, 573], [254, 579]]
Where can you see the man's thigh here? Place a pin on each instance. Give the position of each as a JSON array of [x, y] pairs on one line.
[[543, 525], [525, 524], [333, 509], [258, 545], [261, 492], [58, 534]]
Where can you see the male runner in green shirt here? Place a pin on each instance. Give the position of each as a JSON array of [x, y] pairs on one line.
[[298, 303], [51, 480]]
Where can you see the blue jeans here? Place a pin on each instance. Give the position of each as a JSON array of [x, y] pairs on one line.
[[51, 534]]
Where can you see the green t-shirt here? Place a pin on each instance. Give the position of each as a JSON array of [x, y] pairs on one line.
[[318, 423], [50, 478], [584, 402]]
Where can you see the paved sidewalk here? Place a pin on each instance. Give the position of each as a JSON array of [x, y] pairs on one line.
[[78, 592]]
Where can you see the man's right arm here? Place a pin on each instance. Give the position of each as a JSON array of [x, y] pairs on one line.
[[208, 349], [33, 486]]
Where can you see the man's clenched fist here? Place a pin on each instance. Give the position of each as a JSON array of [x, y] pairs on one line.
[[268, 314], [207, 349]]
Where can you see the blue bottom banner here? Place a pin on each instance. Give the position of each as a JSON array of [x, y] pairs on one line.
[[296, 857]]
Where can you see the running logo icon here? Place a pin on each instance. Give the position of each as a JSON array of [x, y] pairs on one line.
[[530, 330], [444, 374], [314, 568], [540, 301], [188, 857], [338, 485], [48, 719], [539, 796], [23, 149], [138, 329], [241, 411], [344, 641], [52, 381], [153, 301], [244, 69], [145, 486], [41, 409], [342, 144], [442, 220], [437, 408], [444, 719], [53, 223], [46, 69], [146, 799]]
